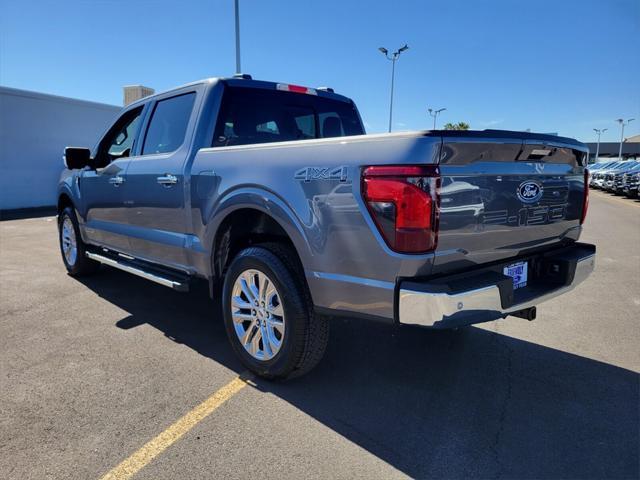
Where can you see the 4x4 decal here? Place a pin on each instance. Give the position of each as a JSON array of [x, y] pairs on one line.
[[322, 173]]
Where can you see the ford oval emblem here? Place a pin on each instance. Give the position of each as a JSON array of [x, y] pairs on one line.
[[529, 192]]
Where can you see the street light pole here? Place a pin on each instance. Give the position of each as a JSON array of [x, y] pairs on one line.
[[434, 114], [393, 76], [237, 14], [393, 58], [622, 125], [599, 132]]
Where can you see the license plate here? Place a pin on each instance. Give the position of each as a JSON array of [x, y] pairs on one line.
[[518, 272]]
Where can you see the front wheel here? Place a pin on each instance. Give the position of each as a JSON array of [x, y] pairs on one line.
[[269, 316], [71, 245]]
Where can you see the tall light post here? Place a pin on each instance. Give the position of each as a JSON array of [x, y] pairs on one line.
[[237, 14], [393, 58], [434, 114], [622, 125], [599, 132]]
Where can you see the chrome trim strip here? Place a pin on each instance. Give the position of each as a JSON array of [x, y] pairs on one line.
[[369, 282], [182, 287], [473, 306]]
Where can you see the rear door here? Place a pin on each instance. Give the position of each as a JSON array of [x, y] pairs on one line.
[[155, 195], [102, 190], [502, 197]]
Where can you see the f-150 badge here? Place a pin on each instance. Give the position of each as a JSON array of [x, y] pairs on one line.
[[322, 173]]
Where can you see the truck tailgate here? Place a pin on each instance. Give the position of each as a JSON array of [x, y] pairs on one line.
[[503, 197]]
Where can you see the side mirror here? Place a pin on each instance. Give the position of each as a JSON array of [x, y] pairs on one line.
[[77, 157]]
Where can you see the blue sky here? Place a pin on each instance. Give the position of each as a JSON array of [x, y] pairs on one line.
[[563, 66]]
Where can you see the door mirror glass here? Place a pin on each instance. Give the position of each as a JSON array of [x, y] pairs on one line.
[[77, 157]]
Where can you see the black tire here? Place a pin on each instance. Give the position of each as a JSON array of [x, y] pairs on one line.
[[306, 335], [81, 265]]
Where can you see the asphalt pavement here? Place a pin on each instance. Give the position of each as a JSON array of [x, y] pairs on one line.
[[93, 369]]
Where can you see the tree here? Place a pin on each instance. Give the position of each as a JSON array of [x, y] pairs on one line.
[[456, 126]]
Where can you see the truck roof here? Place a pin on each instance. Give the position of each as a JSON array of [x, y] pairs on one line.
[[239, 81]]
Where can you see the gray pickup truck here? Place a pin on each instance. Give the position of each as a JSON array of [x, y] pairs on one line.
[[274, 195]]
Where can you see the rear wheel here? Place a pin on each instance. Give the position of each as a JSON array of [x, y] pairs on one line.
[[71, 245], [269, 315]]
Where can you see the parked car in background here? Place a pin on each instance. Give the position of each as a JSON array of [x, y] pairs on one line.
[[618, 176], [630, 182], [594, 168], [600, 175], [613, 178]]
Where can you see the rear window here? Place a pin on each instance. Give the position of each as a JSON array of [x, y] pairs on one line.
[[252, 115]]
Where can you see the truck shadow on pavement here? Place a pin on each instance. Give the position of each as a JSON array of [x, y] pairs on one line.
[[466, 403]]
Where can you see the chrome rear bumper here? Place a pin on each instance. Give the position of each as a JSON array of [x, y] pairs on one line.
[[477, 305]]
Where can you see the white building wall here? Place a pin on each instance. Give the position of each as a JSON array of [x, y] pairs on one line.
[[34, 129]]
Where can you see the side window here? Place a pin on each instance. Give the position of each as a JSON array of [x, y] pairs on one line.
[[306, 124], [119, 140], [123, 141], [330, 125], [168, 124]]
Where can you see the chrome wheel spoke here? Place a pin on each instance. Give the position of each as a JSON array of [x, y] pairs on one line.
[[274, 343], [254, 345], [246, 289], [276, 310], [252, 278], [248, 334], [239, 317], [239, 303], [277, 324], [266, 342]]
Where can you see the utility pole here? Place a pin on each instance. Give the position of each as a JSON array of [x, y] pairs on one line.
[[434, 114], [393, 58], [237, 11], [622, 125], [599, 132]]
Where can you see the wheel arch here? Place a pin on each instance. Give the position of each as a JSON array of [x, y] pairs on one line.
[[64, 201], [252, 217]]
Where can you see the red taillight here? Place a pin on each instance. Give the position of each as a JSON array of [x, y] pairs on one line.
[[404, 204], [585, 197]]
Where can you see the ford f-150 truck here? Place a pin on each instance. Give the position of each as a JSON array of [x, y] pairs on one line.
[[274, 194]]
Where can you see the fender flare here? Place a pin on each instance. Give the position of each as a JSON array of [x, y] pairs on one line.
[[268, 203]]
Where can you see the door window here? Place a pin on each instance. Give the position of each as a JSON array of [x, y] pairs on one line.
[[168, 124], [120, 139]]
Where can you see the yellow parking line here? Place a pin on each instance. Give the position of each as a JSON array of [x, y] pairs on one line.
[[156, 446], [626, 201]]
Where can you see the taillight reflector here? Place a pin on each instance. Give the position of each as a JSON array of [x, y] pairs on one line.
[[404, 204], [296, 89]]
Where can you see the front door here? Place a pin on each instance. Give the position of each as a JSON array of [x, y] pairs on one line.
[[155, 194], [104, 214]]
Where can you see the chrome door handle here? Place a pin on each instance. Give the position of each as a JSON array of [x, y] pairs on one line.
[[167, 180], [116, 181]]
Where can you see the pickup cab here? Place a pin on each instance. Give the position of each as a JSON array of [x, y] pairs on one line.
[[274, 195]]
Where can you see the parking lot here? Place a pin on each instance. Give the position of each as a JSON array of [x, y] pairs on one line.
[[94, 369]]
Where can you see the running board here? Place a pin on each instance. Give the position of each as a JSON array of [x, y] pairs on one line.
[[178, 285]]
